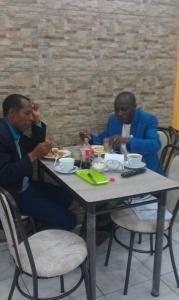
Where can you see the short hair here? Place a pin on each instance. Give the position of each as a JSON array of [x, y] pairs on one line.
[[126, 96], [13, 101]]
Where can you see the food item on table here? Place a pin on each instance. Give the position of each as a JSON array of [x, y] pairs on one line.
[[55, 152], [98, 149], [98, 166]]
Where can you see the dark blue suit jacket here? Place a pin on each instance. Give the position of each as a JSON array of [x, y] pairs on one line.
[[145, 139], [12, 168]]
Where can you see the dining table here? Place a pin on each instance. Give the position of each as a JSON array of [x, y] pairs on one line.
[[92, 196]]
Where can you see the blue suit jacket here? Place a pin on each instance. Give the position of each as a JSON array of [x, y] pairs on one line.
[[145, 138], [12, 168]]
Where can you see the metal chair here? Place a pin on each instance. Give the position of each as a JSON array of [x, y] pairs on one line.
[[164, 137], [128, 220], [167, 135], [174, 135], [45, 254]]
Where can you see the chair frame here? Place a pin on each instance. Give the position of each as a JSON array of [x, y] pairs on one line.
[[166, 156], [132, 249], [171, 150], [171, 134], [18, 268]]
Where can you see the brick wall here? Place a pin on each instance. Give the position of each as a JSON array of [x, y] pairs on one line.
[[74, 56]]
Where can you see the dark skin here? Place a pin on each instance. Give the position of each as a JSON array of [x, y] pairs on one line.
[[22, 120], [124, 109]]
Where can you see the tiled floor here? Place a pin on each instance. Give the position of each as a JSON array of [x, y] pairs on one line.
[[110, 280]]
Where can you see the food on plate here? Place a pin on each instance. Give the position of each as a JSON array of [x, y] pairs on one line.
[[98, 149], [55, 152]]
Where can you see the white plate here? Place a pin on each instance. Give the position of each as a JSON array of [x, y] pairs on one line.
[[65, 154], [75, 168], [139, 165]]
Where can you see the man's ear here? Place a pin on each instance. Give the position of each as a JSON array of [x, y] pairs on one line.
[[11, 114]]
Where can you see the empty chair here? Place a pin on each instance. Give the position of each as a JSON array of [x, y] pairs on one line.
[[128, 220], [164, 139], [45, 254], [167, 135], [174, 135]]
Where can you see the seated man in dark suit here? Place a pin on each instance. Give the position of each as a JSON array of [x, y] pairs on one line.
[[42, 201]]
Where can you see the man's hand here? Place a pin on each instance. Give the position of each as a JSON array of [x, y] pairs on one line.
[[40, 150], [118, 139], [35, 113], [85, 134]]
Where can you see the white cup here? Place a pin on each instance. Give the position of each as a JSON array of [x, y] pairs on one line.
[[134, 159], [64, 164]]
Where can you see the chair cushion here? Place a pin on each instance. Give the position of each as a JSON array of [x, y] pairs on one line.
[[55, 252], [127, 219]]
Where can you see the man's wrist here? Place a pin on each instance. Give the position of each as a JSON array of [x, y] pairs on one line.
[[37, 122], [32, 156]]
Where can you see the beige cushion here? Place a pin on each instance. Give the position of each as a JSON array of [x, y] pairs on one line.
[[55, 252], [127, 219]]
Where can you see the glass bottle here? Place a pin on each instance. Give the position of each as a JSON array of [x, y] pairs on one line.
[[87, 152]]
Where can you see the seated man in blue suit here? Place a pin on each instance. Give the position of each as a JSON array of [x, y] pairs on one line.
[[132, 129], [42, 201]]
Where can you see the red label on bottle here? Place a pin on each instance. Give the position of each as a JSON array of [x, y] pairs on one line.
[[88, 152]]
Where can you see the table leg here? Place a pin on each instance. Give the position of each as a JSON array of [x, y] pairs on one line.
[[159, 245], [91, 245]]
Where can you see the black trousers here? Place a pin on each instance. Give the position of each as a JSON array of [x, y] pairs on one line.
[[47, 204]]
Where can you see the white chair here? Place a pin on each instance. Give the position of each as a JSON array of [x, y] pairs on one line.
[[45, 254], [164, 139], [168, 136], [128, 220]]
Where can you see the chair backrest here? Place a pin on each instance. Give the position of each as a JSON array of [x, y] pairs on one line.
[[167, 156], [13, 229], [8, 224], [164, 140], [174, 135], [173, 173]]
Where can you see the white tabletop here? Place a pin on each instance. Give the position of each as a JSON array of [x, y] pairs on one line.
[[122, 187]]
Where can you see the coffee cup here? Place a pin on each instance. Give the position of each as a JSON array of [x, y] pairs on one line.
[[134, 159], [64, 164]]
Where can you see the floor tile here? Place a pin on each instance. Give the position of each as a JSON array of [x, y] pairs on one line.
[[7, 266], [147, 259], [176, 226], [143, 291], [5, 287], [175, 236], [169, 280], [112, 278]]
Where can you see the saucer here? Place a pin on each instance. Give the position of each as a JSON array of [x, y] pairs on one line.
[[139, 165], [75, 168]]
